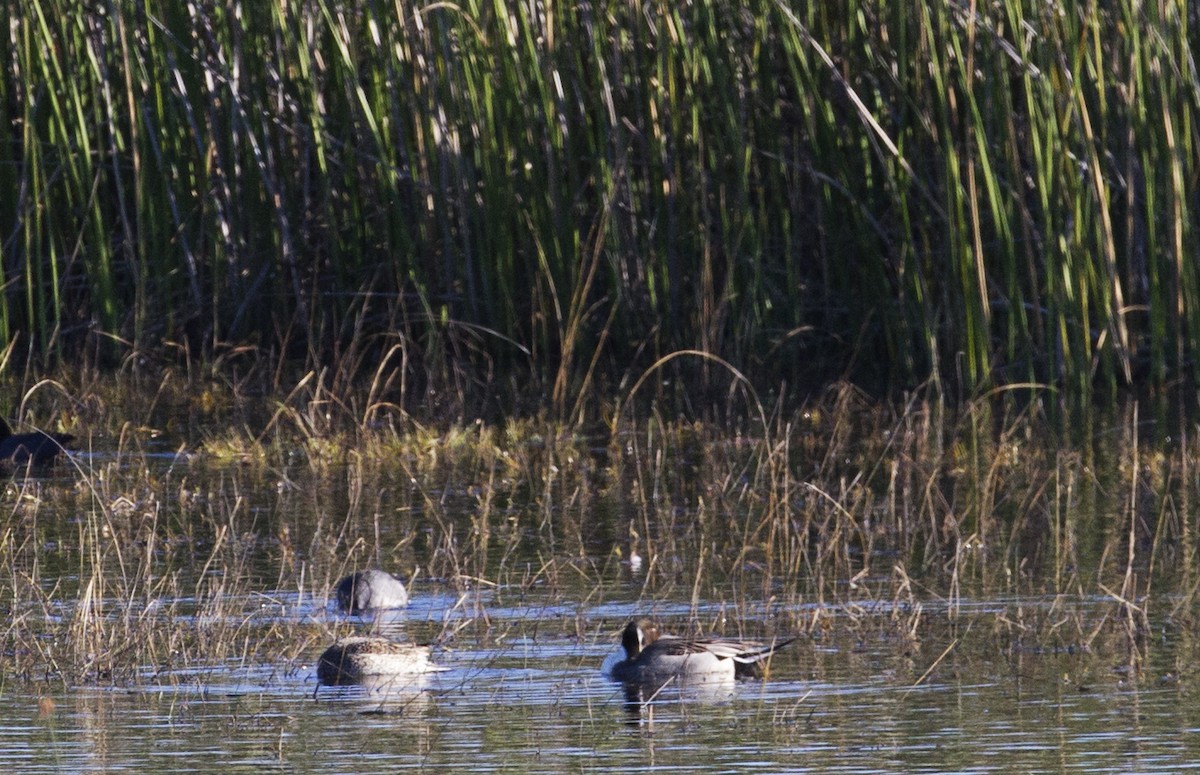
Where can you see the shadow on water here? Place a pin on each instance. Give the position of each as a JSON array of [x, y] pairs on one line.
[[406, 695]]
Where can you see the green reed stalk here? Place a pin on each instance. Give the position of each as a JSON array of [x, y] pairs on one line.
[[986, 194]]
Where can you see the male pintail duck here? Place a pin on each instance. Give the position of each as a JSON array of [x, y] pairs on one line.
[[39, 447], [652, 657], [370, 589], [357, 658]]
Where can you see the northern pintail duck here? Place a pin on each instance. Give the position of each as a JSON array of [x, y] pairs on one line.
[[652, 657], [358, 658], [39, 447], [370, 589]]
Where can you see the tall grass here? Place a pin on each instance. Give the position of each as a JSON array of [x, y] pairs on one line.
[[980, 193], [118, 566]]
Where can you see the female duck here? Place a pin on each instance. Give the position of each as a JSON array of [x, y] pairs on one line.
[[359, 658], [370, 589], [651, 657]]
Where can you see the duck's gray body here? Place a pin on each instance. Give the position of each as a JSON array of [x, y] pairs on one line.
[[651, 657], [369, 590]]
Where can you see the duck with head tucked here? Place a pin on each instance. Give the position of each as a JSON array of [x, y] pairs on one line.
[[652, 657], [359, 658], [369, 590]]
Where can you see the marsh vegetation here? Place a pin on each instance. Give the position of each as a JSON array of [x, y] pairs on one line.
[[141, 555], [870, 324], [484, 195], [946, 553]]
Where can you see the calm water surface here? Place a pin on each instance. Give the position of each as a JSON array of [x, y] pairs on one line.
[[539, 702], [525, 691]]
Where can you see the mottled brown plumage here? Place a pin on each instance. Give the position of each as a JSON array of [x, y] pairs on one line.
[[351, 660]]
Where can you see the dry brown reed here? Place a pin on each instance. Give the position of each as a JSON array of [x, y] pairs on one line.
[[840, 518]]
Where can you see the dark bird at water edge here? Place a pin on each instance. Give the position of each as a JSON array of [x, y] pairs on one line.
[[39, 447]]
